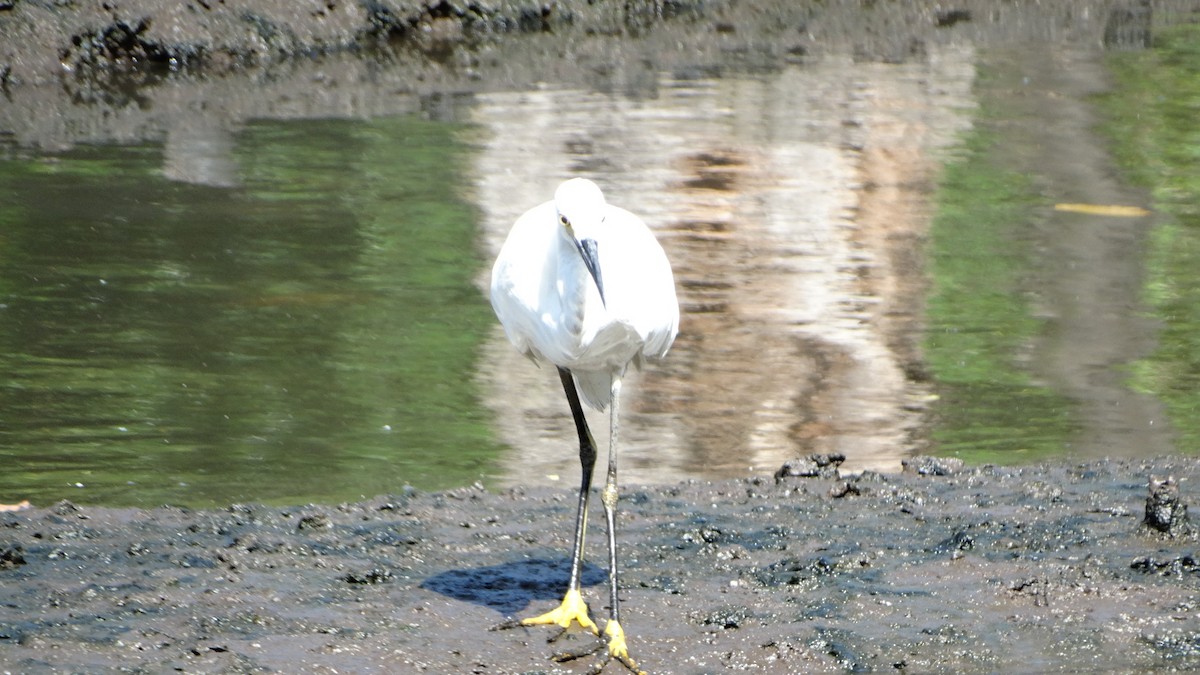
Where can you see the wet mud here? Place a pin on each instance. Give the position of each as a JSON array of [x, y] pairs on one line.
[[940, 568]]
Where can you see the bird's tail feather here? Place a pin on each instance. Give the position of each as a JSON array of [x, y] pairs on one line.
[[594, 387]]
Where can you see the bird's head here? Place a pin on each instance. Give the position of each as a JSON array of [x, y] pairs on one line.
[[581, 208]]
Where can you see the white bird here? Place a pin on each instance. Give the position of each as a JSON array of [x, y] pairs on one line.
[[584, 285]]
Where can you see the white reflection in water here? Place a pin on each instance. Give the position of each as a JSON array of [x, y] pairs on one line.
[[791, 205]]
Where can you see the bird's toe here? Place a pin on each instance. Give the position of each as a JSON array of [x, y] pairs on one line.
[[572, 610], [614, 636]]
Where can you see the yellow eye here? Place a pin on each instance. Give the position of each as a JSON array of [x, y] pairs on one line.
[[563, 219]]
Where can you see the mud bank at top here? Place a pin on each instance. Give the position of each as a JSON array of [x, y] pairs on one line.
[[141, 70], [48, 40], [80, 37], [190, 74]]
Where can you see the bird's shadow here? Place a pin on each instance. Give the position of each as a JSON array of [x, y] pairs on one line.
[[509, 588]]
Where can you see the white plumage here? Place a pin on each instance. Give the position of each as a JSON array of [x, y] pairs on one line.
[[584, 285], [550, 305]]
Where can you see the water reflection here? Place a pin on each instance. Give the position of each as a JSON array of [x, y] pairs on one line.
[[292, 309], [784, 201], [302, 337], [201, 154]]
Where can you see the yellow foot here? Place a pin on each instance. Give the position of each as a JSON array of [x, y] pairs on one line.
[[617, 648], [573, 609]]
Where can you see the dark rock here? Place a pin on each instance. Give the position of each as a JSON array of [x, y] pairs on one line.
[[11, 556], [726, 618], [65, 508], [314, 522], [838, 643], [792, 572], [961, 541], [932, 466], [817, 465], [373, 576], [1185, 564], [1165, 510], [844, 488]]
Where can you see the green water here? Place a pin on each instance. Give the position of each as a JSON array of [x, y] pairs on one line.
[[1154, 120], [312, 333], [992, 408], [307, 335], [980, 323]]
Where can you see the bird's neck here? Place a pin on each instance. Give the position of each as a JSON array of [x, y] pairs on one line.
[[577, 291]]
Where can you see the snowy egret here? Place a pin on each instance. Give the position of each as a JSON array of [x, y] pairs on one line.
[[584, 285]]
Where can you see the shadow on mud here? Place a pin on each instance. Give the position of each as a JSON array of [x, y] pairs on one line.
[[509, 588]]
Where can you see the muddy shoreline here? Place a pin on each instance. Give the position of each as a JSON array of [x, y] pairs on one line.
[[1036, 569]]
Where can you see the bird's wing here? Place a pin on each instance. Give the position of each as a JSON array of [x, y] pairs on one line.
[[639, 284], [517, 277]]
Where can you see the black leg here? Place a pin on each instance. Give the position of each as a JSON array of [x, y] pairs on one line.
[[587, 462], [573, 609]]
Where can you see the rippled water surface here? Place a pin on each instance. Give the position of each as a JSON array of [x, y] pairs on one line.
[[292, 307], [304, 332]]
